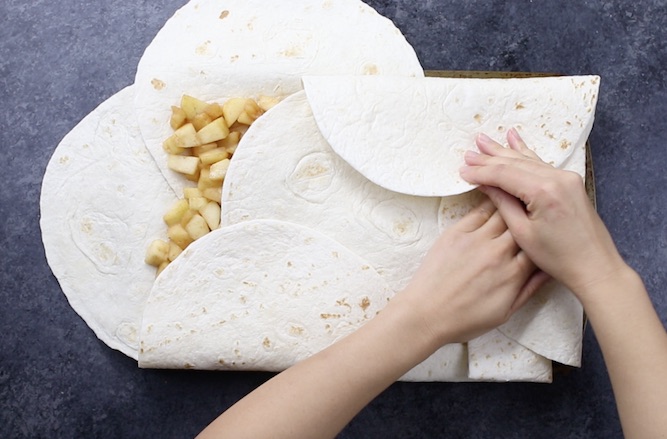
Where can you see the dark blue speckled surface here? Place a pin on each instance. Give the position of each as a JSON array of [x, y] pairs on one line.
[[59, 60]]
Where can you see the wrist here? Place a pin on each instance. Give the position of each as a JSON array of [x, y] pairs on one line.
[[412, 327], [619, 281]]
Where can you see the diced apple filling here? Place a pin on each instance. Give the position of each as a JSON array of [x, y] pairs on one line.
[[205, 138]]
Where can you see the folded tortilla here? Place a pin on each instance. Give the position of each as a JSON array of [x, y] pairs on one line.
[[495, 357], [416, 130], [215, 50], [260, 295], [101, 205]]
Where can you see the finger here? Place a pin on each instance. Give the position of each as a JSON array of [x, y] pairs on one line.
[[495, 226], [515, 177], [512, 210], [490, 147], [517, 144], [507, 241], [532, 285], [477, 217]]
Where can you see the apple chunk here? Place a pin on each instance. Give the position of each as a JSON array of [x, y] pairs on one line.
[[192, 106], [211, 213], [232, 109], [218, 170], [157, 253], [184, 164], [174, 215], [179, 235], [214, 131], [197, 227]]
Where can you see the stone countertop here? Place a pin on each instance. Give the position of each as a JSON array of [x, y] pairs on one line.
[[59, 60]]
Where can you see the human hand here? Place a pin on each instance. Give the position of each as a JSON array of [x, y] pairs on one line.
[[472, 279], [547, 211]]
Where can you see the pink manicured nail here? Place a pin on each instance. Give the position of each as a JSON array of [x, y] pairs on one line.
[[470, 154], [483, 138]]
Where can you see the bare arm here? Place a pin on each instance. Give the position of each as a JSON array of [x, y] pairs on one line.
[[459, 292], [551, 219]]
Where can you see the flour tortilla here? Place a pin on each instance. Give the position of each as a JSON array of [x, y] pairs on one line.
[[260, 295], [416, 130], [284, 169], [101, 205], [215, 49], [495, 357]]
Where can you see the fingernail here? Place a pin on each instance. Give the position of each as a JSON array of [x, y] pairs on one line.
[[470, 154], [484, 139]]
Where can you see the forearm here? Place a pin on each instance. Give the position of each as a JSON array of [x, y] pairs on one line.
[[320, 395], [634, 345]]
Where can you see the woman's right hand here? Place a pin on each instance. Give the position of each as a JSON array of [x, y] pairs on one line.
[[547, 211]]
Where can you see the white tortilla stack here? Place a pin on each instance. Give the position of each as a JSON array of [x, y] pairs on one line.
[[215, 50], [335, 188], [284, 169]]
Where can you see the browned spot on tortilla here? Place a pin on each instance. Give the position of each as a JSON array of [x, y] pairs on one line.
[[519, 106], [224, 14], [365, 303], [501, 128], [266, 342], [371, 69], [203, 48], [343, 302], [365, 267], [564, 144], [188, 366], [157, 84], [289, 263], [234, 58], [330, 316], [64, 160], [296, 330], [86, 226], [221, 362], [478, 118], [292, 52]]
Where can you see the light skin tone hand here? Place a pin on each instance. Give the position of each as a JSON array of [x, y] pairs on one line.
[[550, 217], [471, 281]]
